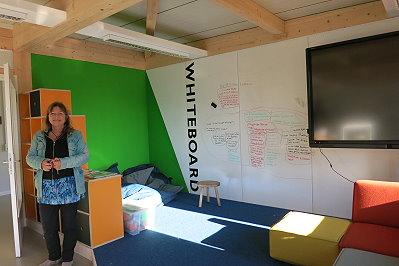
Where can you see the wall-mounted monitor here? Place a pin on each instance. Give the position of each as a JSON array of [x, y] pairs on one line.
[[353, 93]]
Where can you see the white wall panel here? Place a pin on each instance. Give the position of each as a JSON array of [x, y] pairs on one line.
[[219, 126]]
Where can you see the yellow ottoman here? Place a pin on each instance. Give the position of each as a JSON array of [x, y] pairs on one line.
[[307, 239]]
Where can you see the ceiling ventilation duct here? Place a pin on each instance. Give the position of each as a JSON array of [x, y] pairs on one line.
[[143, 46], [13, 15], [140, 41], [23, 11]]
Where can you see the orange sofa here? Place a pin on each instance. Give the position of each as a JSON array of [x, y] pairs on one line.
[[375, 218]]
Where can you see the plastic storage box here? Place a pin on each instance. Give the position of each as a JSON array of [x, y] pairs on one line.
[[136, 220]]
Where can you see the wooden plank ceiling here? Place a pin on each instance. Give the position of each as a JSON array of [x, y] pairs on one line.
[[206, 24], [185, 21]]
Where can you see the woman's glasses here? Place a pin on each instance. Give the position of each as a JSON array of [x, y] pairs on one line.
[[57, 114]]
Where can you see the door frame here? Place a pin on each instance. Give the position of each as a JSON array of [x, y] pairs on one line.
[[12, 128]]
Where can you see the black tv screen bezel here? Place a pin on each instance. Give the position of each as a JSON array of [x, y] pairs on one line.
[[366, 144]]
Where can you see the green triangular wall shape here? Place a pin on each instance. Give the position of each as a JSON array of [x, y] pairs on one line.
[[161, 149]]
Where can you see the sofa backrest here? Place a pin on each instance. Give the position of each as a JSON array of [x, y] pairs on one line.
[[376, 202]]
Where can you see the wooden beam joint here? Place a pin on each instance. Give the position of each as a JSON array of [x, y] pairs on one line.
[[254, 13]]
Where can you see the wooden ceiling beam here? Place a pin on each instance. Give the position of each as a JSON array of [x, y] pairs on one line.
[[392, 7], [254, 13], [151, 18], [80, 14], [6, 39], [58, 4]]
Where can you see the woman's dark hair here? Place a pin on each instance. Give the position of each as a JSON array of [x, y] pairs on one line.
[[67, 126]]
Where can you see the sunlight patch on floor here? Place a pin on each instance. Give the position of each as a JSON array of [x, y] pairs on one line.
[[187, 225], [191, 226]]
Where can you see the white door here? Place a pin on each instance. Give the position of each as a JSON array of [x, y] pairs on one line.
[[13, 156]]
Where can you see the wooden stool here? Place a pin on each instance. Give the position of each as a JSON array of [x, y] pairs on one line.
[[207, 184]]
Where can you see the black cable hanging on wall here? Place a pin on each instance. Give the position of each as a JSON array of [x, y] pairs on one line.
[[333, 167]]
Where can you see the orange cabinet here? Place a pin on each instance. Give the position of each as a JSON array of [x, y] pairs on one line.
[[40, 99], [100, 217]]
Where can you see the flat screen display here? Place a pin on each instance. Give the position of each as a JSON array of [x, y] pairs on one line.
[[353, 93]]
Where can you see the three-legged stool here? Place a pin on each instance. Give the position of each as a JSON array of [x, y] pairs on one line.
[[207, 184]]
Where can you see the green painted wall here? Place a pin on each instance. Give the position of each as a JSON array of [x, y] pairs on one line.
[[123, 120], [114, 100], [162, 153]]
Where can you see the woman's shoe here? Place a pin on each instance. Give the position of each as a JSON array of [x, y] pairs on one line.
[[51, 262]]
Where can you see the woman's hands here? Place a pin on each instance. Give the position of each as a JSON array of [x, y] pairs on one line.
[[47, 164], [57, 164]]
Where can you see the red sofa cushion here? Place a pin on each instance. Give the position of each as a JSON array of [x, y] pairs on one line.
[[373, 238], [376, 202]]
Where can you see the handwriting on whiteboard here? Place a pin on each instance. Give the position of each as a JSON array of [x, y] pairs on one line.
[[275, 135], [228, 95], [225, 135]]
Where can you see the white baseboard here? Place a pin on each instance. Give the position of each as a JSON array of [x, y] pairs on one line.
[[82, 249], [2, 193], [94, 260]]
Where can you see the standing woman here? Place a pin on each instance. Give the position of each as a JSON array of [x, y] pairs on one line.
[[57, 153]]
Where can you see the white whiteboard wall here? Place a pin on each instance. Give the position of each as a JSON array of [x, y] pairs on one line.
[[276, 158], [254, 141], [219, 125]]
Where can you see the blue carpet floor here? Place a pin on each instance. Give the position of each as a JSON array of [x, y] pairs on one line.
[[184, 234]]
